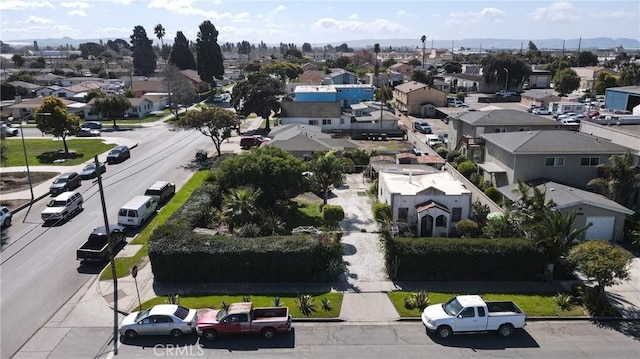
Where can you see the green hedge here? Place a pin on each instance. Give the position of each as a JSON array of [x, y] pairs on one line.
[[179, 256], [464, 259], [195, 212]]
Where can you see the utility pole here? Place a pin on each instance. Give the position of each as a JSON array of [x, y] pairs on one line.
[[111, 259]]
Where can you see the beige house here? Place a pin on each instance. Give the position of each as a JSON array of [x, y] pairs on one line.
[[413, 97], [588, 75], [405, 70], [541, 98]]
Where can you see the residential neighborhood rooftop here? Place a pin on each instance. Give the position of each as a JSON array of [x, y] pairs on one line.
[[553, 142], [410, 184]]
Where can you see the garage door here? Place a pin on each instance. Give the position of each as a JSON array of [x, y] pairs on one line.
[[602, 228]]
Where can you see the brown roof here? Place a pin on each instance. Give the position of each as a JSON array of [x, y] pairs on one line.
[[192, 75], [430, 160], [148, 86], [36, 102]]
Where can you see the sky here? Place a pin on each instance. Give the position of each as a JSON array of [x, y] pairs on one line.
[[321, 22]]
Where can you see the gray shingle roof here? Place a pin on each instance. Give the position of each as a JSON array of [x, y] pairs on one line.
[[503, 117], [553, 142]]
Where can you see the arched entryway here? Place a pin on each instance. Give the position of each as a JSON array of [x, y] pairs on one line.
[[426, 226]]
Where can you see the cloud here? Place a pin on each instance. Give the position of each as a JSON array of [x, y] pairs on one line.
[[38, 20], [77, 13], [24, 5], [375, 27], [37, 30], [280, 8], [113, 31], [185, 7], [353, 17], [556, 12], [75, 5], [242, 17], [490, 14], [615, 15]]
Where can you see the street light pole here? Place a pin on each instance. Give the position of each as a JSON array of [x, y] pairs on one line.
[[26, 158], [506, 81]]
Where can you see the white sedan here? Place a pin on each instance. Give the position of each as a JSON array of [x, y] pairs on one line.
[[162, 319], [541, 111]]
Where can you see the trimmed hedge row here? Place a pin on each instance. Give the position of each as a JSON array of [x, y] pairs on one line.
[[177, 256], [195, 212], [464, 259]]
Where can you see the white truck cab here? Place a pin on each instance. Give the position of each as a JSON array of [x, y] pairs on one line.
[[471, 314]]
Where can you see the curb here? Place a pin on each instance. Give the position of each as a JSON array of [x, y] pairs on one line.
[[543, 319]]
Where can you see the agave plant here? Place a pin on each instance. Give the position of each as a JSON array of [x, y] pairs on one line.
[[277, 302], [326, 304], [246, 298], [225, 306], [564, 301], [305, 304], [418, 300]]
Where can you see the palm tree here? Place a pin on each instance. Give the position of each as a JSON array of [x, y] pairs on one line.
[[530, 209], [159, 31], [556, 234], [376, 50], [241, 205], [620, 180], [423, 39]]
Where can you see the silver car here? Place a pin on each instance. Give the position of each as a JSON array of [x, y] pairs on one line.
[[162, 319]]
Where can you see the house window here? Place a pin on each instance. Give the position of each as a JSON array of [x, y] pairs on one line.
[[524, 129], [326, 121], [554, 162], [342, 121], [441, 221], [589, 161], [313, 122], [500, 130], [403, 214], [456, 214]]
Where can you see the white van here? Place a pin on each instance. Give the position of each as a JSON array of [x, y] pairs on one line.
[[135, 212], [63, 206]]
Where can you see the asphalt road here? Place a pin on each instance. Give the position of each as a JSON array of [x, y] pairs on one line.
[[570, 339], [39, 271]]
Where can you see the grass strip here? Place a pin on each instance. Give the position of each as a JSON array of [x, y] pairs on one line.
[[44, 151]]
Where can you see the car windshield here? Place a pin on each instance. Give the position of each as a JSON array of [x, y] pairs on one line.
[[142, 315], [452, 307], [221, 314], [90, 167], [181, 312], [61, 180], [115, 152], [55, 203]]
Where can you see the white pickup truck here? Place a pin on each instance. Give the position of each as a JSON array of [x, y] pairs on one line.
[[471, 314]]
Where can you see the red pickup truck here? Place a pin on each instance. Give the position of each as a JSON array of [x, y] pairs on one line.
[[246, 142], [243, 318]]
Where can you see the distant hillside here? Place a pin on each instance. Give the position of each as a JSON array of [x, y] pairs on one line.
[[595, 43]]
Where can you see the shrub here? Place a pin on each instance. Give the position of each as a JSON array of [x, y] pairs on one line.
[[249, 230], [461, 159], [493, 194], [382, 212], [442, 151], [332, 214], [468, 228], [563, 300], [467, 168], [418, 300], [277, 302], [451, 156]]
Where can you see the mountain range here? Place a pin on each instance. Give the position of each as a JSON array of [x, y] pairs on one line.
[[475, 44]]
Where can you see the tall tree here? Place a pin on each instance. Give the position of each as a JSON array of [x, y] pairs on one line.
[[53, 118], [208, 53], [213, 122], [620, 180], [284, 70], [327, 170], [530, 208], [602, 261], [111, 107], [604, 80], [423, 39], [160, 32], [566, 81], [18, 60], [181, 55], [587, 58], [257, 94], [422, 77], [376, 50], [242, 206], [532, 46], [180, 90], [629, 75], [493, 68], [144, 58], [306, 47]]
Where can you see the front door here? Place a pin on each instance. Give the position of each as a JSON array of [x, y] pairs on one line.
[[426, 226]]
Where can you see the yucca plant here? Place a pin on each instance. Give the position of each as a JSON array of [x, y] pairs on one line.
[[326, 304], [276, 302], [225, 306], [563, 300], [173, 298], [305, 304], [418, 300], [246, 298]]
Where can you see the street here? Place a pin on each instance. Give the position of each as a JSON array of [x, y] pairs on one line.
[[39, 268], [555, 339]]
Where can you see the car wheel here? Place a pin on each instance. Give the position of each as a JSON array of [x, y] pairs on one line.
[[505, 330], [268, 333], [444, 332], [177, 333], [7, 222], [130, 334], [210, 335]]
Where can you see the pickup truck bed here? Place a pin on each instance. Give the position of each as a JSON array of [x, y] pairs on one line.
[[96, 248]]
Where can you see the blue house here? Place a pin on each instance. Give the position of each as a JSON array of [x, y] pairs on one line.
[[347, 95], [340, 77]]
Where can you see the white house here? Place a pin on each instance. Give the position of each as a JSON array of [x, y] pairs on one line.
[[430, 203]]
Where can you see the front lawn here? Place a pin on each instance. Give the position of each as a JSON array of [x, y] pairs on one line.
[[41, 152], [534, 304], [286, 300]]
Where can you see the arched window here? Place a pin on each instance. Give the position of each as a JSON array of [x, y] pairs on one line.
[[441, 221]]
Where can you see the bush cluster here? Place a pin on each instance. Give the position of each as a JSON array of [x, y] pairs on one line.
[[463, 259], [195, 212]]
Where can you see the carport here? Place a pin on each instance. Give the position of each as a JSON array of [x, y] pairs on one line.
[[498, 175]]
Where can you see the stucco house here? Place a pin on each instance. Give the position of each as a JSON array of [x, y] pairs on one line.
[[540, 98], [413, 97], [47, 90], [402, 68], [588, 75], [24, 108], [304, 140], [140, 107], [567, 157], [605, 216], [430, 203]]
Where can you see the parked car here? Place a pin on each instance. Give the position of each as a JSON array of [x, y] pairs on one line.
[[161, 319], [471, 314], [92, 125], [541, 111], [64, 183], [432, 140], [96, 248], [565, 115], [246, 142], [87, 132], [9, 131], [91, 170], [592, 114], [5, 217], [570, 121], [161, 191], [118, 154], [531, 108], [243, 318], [421, 127], [505, 93], [63, 206], [444, 137]]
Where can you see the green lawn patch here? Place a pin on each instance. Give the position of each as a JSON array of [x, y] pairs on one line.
[[286, 300], [123, 265], [534, 304], [306, 214], [44, 151]]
